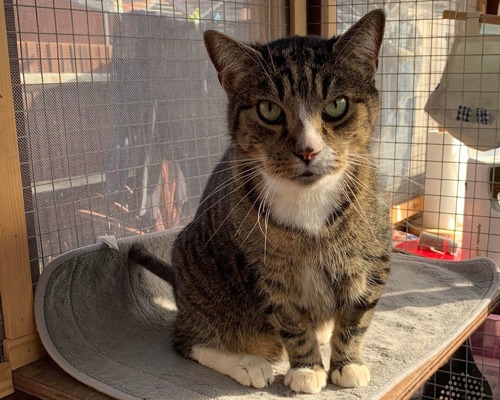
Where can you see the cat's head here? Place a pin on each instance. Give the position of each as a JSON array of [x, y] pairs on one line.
[[302, 107]]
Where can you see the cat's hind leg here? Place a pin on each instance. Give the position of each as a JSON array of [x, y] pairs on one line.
[[247, 369]]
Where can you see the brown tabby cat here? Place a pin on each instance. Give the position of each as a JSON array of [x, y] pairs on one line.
[[292, 232]]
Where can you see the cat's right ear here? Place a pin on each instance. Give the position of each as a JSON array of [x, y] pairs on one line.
[[361, 43], [231, 58]]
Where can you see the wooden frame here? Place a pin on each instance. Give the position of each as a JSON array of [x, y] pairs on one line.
[[463, 16], [22, 344], [298, 20], [328, 18]]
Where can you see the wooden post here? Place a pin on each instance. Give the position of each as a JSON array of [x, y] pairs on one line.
[[6, 385], [276, 19], [328, 18], [22, 344], [298, 17]]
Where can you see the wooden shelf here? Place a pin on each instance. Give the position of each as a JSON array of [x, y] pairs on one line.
[[407, 209], [463, 16], [46, 380]]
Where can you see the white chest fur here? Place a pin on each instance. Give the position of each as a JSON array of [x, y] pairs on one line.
[[306, 207]]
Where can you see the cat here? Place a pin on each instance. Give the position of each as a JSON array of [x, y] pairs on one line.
[[292, 231]]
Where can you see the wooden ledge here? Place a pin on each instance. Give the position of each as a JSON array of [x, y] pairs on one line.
[[24, 350], [407, 209], [6, 386], [44, 379]]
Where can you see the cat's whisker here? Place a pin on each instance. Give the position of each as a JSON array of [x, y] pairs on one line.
[[245, 164], [266, 221], [358, 182], [262, 204], [253, 175], [258, 213], [373, 165], [241, 175], [268, 49], [362, 214], [229, 214]]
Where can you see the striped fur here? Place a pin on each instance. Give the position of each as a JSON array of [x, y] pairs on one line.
[[292, 231]]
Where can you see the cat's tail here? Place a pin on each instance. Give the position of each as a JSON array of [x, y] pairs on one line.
[[152, 263]]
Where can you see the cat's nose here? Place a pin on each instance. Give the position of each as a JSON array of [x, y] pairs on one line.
[[308, 154]]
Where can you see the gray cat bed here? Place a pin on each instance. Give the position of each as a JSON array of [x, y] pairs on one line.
[[108, 324]]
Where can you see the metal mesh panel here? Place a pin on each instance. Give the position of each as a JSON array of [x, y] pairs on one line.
[[121, 119], [123, 116], [413, 54], [457, 186]]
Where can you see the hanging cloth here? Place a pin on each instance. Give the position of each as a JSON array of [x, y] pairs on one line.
[[466, 101]]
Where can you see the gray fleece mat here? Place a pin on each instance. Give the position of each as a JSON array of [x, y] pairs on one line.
[[109, 324]]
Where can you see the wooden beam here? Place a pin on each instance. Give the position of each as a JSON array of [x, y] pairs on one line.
[[15, 276], [407, 209], [48, 78], [463, 16], [408, 386], [277, 19], [328, 18], [23, 350], [46, 380], [6, 385], [298, 17]]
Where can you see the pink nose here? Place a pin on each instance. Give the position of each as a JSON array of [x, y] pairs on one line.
[[309, 153]]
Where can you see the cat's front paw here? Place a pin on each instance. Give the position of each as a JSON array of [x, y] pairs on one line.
[[253, 371], [351, 376], [306, 380]]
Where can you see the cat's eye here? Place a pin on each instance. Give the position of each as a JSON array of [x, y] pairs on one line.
[[270, 112], [336, 109]]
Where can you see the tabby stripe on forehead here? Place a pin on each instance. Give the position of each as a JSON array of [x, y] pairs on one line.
[[288, 76], [312, 84], [311, 80], [278, 83], [326, 86]]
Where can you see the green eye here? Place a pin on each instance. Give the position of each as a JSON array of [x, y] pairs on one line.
[[336, 109], [270, 112]]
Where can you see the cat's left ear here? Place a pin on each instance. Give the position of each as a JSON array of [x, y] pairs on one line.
[[362, 41], [231, 58]]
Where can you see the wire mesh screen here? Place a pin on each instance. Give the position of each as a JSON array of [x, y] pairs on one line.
[[414, 51], [437, 137], [121, 117], [437, 149]]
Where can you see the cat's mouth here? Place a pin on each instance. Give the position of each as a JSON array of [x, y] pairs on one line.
[[307, 178]]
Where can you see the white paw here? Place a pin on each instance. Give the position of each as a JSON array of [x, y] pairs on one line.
[[306, 380], [351, 376], [253, 371]]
